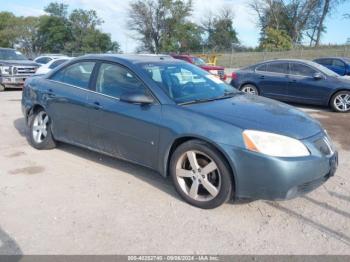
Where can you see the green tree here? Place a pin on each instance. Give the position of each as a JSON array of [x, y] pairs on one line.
[[8, 22], [220, 31], [275, 40], [162, 25], [27, 35]]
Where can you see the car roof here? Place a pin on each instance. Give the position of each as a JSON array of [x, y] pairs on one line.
[[334, 57], [132, 58]]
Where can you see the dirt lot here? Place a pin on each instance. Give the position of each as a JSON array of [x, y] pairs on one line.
[[72, 201]]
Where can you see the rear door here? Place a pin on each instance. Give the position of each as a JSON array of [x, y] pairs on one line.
[[128, 131], [67, 102], [304, 87], [273, 79]]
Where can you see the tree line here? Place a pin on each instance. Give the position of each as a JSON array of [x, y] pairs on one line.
[[58, 31], [165, 26]]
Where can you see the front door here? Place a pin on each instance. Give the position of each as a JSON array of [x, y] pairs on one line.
[[128, 131], [67, 102], [305, 88]]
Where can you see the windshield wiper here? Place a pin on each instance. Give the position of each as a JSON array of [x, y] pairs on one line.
[[196, 101]]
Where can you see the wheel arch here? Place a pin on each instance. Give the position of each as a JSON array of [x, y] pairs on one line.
[[183, 139], [335, 92], [33, 108]]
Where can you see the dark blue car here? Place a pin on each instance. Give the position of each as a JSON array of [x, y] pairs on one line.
[[297, 81], [168, 115], [339, 65]]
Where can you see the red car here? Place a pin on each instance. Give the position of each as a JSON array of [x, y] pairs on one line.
[[215, 70]]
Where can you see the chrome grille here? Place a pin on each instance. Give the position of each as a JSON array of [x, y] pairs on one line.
[[23, 70]]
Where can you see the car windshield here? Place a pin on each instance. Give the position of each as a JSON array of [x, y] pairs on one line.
[[198, 61], [323, 69], [185, 83], [11, 55]]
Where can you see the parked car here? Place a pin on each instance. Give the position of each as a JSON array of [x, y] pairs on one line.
[[177, 119], [215, 70], [297, 81], [44, 69], [44, 59], [14, 68], [339, 65]]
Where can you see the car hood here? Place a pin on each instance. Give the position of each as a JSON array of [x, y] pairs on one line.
[[18, 62], [257, 113]]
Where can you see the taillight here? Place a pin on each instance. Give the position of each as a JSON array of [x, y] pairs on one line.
[[234, 76]]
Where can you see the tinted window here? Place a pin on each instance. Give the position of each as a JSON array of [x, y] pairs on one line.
[[114, 80], [302, 70], [326, 62], [281, 68], [77, 74], [43, 60], [57, 63]]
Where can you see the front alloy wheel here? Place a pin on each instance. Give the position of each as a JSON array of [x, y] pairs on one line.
[[39, 135], [200, 175]]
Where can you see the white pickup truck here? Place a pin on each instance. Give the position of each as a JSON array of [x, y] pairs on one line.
[[14, 68]]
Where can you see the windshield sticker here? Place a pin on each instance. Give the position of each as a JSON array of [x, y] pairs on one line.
[[215, 79]]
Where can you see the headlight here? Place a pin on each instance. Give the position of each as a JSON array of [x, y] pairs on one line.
[[214, 72], [273, 144], [5, 70]]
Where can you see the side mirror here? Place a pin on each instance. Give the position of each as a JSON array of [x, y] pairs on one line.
[[318, 76], [134, 98]]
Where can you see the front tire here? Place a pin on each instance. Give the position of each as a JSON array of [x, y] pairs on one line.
[[39, 131], [340, 102], [250, 89], [200, 175]]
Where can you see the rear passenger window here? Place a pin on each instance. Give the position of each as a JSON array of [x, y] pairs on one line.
[[302, 70], [114, 80], [338, 63], [77, 74], [281, 68]]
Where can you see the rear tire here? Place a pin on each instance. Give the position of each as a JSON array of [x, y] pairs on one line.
[[250, 89], [208, 184], [340, 102], [39, 131]]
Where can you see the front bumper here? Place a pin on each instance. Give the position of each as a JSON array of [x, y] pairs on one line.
[[259, 176], [13, 81]]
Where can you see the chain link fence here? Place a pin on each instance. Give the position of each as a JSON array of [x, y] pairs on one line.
[[242, 59]]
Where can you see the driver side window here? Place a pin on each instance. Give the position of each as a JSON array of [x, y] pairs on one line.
[[114, 80]]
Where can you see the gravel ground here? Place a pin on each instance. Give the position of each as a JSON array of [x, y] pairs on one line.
[[72, 201]]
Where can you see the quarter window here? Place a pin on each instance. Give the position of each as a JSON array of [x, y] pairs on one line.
[[281, 68], [302, 70], [77, 74], [114, 80]]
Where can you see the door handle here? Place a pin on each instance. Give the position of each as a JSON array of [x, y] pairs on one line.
[[262, 77], [50, 93], [97, 105]]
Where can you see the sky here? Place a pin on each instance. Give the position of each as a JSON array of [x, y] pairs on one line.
[[115, 13]]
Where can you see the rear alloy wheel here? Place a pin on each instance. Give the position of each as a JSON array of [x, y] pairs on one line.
[[200, 176], [250, 89], [39, 135], [340, 102]]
